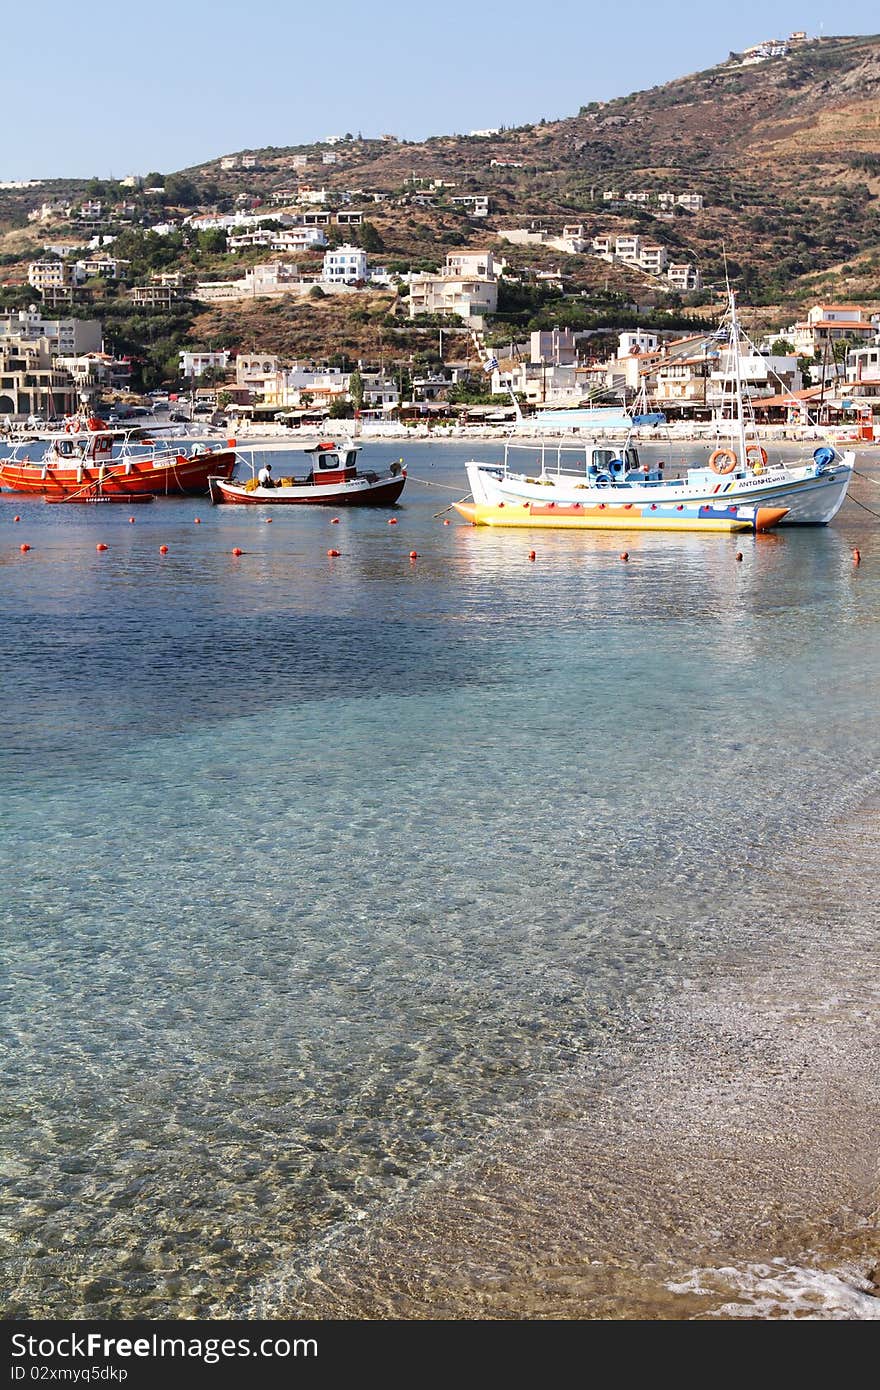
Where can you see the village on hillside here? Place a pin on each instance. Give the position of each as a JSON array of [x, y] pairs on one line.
[[280, 293]]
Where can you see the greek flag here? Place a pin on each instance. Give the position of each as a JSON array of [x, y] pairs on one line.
[[492, 364]]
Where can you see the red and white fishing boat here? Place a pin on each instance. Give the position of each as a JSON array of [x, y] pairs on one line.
[[89, 460], [332, 480]]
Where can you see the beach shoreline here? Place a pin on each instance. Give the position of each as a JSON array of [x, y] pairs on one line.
[[716, 1160]]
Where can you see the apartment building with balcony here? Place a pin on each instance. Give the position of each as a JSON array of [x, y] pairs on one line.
[[31, 383]]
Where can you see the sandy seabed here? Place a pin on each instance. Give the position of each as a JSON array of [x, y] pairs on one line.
[[718, 1160]]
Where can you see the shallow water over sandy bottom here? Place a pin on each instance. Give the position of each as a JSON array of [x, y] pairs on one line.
[[438, 938]]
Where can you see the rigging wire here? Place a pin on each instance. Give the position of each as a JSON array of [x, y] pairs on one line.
[[864, 508]]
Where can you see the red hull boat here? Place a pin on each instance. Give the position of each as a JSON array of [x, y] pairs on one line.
[[332, 480], [81, 465]]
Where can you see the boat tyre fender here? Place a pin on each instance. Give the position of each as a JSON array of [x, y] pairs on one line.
[[604, 480], [761, 462], [822, 458], [722, 461]]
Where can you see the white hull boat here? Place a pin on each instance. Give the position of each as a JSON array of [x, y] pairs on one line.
[[589, 474], [595, 471]]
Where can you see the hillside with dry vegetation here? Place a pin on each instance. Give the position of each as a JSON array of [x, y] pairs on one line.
[[785, 154]]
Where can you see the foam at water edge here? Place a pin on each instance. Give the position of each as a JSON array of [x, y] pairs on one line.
[[782, 1291]]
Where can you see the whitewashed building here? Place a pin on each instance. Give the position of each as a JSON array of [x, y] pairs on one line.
[[54, 275], [345, 265], [467, 288], [64, 336], [193, 364], [827, 324]]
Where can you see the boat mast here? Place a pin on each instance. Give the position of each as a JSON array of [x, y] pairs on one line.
[[737, 376]]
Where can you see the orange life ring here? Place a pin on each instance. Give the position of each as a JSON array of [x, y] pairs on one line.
[[722, 454], [76, 426], [762, 455]]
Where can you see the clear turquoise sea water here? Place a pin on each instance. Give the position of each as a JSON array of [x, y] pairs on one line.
[[315, 869]]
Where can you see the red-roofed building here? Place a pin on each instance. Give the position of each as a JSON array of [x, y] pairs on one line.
[[827, 324]]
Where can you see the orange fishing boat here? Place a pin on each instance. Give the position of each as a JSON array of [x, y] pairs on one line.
[[89, 460]]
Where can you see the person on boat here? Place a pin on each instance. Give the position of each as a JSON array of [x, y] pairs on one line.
[[264, 477]]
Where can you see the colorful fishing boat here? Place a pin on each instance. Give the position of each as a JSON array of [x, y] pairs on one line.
[[91, 461], [332, 479], [596, 471], [622, 516]]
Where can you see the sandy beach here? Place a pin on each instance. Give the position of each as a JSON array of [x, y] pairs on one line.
[[719, 1156]]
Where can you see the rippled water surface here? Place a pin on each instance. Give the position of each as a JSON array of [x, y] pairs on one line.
[[317, 870]]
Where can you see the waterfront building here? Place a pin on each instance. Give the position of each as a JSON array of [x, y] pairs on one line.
[[97, 371], [31, 383], [540, 383], [762, 375], [863, 371], [553, 346]]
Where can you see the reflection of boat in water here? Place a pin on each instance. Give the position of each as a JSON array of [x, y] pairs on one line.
[[622, 516], [597, 473], [332, 480], [83, 463]]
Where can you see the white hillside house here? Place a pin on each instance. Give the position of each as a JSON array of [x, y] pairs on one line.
[[344, 266]]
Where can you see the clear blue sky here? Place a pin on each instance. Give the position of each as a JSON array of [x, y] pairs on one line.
[[110, 88]]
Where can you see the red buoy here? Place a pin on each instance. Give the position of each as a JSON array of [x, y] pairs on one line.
[[16, 518], [392, 521], [413, 554], [857, 557], [334, 521], [332, 554], [101, 546], [131, 521], [269, 520], [197, 521], [163, 550], [624, 554], [24, 548], [531, 554], [446, 522], [237, 551], [739, 555]]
